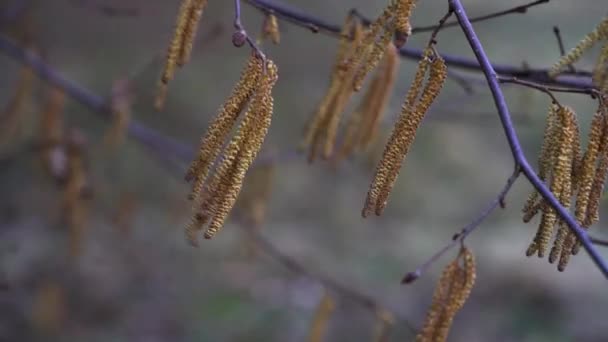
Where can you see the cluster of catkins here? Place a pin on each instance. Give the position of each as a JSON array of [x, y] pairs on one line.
[[361, 50], [570, 174], [214, 196]]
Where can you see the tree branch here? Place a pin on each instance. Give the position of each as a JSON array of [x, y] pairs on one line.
[[459, 237], [513, 140], [578, 79]]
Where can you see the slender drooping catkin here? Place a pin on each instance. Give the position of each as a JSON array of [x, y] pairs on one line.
[[12, 115], [261, 109], [600, 69], [561, 182], [371, 123], [320, 321], [270, 29], [546, 159], [405, 130], [584, 180], [376, 52], [120, 103], [403, 27], [599, 33], [363, 123], [390, 156], [322, 129], [451, 293], [218, 131], [180, 47], [384, 324]]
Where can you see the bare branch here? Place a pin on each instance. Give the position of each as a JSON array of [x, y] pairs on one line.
[[459, 237], [578, 79], [515, 10], [512, 138]]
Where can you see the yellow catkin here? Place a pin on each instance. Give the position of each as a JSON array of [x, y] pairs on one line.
[[600, 70], [253, 134], [384, 324], [387, 81], [597, 182], [451, 293], [74, 204], [546, 160], [51, 132], [121, 113], [49, 308], [390, 155], [585, 178], [270, 29], [320, 320], [194, 17], [345, 45], [51, 119], [12, 115], [412, 119], [362, 48], [220, 128], [363, 123], [375, 56], [561, 184], [403, 28], [600, 32], [180, 46], [334, 113]]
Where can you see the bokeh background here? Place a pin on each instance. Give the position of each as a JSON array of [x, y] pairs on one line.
[[146, 283]]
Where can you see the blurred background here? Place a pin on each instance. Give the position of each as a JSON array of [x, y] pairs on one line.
[[128, 274]]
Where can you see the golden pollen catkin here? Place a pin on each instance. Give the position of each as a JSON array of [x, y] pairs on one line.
[[12, 116], [561, 186], [320, 321], [600, 70], [218, 131], [384, 324], [451, 293], [121, 113], [413, 111], [215, 199], [599, 33], [180, 47], [270, 29], [403, 28]]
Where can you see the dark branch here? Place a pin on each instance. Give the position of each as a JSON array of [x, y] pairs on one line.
[[515, 10], [549, 90], [578, 79], [599, 242], [459, 237], [560, 45], [511, 134]]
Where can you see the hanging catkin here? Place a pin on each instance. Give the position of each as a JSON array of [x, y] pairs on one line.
[[599, 33], [216, 197], [451, 293], [180, 47], [413, 111]]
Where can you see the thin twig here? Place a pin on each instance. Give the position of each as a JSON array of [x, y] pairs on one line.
[[560, 45], [512, 138], [515, 10], [578, 79], [549, 90], [459, 237], [161, 146], [599, 242]]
